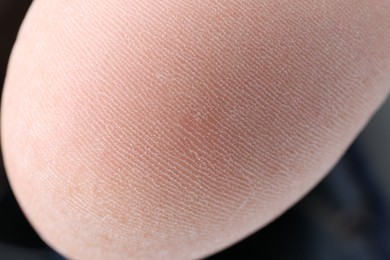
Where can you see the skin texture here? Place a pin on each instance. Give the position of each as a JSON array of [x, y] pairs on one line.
[[11, 16], [171, 129]]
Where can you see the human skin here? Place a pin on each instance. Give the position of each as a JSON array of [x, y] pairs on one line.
[[8, 28], [171, 129]]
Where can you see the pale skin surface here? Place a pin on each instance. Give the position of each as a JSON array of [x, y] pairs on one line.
[[171, 129]]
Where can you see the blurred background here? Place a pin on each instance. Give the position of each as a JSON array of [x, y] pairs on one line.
[[345, 217]]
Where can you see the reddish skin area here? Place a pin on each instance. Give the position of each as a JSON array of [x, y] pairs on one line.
[[172, 129]]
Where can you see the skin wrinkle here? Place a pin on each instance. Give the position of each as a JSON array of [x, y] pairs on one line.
[[172, 129]]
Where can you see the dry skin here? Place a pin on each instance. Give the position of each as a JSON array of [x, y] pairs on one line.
[[171, 129]]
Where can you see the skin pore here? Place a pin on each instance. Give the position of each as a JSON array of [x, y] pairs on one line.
[[171, 129]]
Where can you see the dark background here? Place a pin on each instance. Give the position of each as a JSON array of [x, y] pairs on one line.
[[345, 217]]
